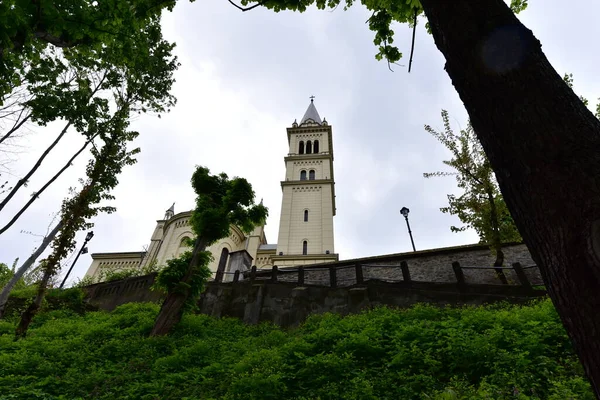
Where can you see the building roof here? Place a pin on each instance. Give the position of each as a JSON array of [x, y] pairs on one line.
[[268, 247], [312, 114]]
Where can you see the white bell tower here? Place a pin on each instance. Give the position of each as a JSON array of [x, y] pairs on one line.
[[308, 205]]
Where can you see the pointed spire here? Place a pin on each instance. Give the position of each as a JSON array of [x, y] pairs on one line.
[[311, 113], [170, 212]]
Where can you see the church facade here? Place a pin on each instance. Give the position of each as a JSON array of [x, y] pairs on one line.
[[305, 226]]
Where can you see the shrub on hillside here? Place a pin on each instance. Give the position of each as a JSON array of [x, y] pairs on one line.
[[72, 299], [494, 352]]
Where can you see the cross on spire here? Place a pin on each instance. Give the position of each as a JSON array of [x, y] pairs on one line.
[[312, 98]]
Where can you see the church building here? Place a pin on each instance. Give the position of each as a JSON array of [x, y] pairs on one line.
[[305, 226]]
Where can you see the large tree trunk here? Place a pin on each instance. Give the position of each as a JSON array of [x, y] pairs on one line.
[[33, 308], [542, 143], [172, 308], [25, 267]]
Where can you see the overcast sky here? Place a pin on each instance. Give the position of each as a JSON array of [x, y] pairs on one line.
[[245, 77]]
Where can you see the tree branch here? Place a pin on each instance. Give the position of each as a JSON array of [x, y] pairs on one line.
[[412, 47], [260, 3], [16, 126], [24, 180], [43, 188]]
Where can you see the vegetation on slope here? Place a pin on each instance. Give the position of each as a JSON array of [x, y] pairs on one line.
[[493, 352]]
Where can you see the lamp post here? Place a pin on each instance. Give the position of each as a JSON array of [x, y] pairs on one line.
[[83, 250], [404, 211]]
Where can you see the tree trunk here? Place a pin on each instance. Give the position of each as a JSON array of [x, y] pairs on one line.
[[542, 143], [33, 308], [26, 265], [172, 308]]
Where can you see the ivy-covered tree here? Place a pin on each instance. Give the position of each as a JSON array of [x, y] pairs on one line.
[[145, 88], [102, 172], [481, 206], [220, 203]]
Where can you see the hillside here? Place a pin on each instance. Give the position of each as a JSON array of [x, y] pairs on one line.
[[494, 352]]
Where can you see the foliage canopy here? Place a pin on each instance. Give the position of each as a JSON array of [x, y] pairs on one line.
[[384, 14], [222, 202]]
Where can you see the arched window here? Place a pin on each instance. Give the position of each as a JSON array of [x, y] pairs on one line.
[[305, 215], [311, 175], [301, 147], [304, 248], [303, 175], [316, 147], [308, 147], [184, 242]]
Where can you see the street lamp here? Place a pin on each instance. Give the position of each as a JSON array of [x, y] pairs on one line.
[[404, 211], [83, 250]]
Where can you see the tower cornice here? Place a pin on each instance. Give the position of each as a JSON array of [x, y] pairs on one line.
[[319, 156], [307, 182]]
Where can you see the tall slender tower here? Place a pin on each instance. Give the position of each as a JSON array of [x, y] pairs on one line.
[[308, 204]]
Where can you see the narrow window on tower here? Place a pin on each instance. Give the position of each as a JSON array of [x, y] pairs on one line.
[[304, 248], [311, 175], [303, 175], [308, 147], [301, 147], [316, 147], [305, 215]]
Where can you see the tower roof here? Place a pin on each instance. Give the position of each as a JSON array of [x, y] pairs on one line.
[[172, 209], [311, 114]]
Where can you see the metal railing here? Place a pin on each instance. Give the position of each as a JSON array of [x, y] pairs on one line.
[[336, 276]]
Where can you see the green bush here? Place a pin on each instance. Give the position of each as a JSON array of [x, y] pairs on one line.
[[493, 352], [56, 299]]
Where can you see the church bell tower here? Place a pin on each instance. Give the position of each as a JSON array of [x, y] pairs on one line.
[[308, 205]]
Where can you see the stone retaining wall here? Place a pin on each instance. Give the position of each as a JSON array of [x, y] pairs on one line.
[[283, 297]]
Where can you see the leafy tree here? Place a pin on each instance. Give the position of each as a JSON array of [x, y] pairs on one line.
[[540, 139], [220, 202], [5, 274], [74, 85], [481, 206], [102, 172]]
